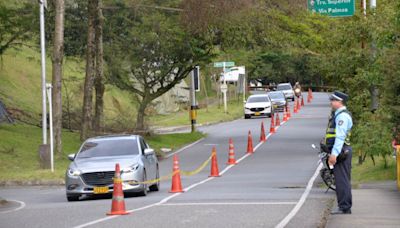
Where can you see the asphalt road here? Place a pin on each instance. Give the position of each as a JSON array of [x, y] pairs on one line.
[[263, 190]]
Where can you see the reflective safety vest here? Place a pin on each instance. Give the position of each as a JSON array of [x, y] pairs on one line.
[[331, 130]]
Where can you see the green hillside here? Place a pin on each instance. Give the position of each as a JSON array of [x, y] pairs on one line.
[[20, 88]]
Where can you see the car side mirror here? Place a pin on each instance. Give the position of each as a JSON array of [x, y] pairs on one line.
[[148, 151], [71, 157]]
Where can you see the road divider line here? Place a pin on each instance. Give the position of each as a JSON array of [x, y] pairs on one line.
[[165, 200], [228, 203], [301, 201], [21, 206]]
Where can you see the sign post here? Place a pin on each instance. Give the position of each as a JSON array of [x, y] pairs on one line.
[[49, 88], [343, 8], [224, 86], [398, 166]]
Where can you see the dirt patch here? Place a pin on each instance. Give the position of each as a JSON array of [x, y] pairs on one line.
[[3, 202], [326, 213]]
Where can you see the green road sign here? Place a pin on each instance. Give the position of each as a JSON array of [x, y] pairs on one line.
[[333, 8], [227, 64]]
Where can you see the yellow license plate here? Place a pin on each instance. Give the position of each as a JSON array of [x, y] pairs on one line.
[[275, 106], [100, 190], [257, 113]]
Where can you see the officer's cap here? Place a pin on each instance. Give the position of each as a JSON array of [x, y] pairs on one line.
[[339, 96]]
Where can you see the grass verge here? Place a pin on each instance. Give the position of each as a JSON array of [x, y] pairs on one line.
[[19, 145], [212, 115], [367, 172]]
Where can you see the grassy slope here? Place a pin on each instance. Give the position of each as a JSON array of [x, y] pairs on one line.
[[367, 172], [20, 85], [19, 151]]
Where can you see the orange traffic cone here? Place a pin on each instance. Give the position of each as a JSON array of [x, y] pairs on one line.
[[214, 164], [295, 108], [298, 105], [118, 203], [285, 118], [302, 101], [278, 121], [231, 159], [263, 138], [308, 98], [272, 125], [288, 112], [250, 148], [311, 95], [176, 185]]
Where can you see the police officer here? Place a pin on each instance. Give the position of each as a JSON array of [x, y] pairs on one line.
[[337, 139]]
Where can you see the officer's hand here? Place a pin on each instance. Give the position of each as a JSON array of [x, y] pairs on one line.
[[332, 159]]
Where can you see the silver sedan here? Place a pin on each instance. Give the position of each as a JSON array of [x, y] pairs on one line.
[[92, 169]]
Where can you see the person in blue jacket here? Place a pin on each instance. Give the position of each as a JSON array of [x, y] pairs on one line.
[[338, 140]]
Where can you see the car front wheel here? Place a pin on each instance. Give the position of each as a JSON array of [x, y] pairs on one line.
[[72, 198], [143, 192], [156, 187]]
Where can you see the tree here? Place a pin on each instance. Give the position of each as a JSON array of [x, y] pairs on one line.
[[57, 61], [156, 55], [90, 71], [99, 80], [15, 25]]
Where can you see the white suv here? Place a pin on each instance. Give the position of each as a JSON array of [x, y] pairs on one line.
[[258, 105], [287, 89]]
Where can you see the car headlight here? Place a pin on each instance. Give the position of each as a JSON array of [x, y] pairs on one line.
[[73, 172], [246, 108], [268, 106], [130, 168]]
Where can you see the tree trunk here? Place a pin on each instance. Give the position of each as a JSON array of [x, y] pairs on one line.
[[140, 124], [374, 97], [90, 72], [99, 81], [57, 61]]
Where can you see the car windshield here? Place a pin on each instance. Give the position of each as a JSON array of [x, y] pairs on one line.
[[105, 148], [284, 87], [258, 99], [276, 96]]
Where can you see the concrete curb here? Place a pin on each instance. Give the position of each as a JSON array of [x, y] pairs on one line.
[[9, 183], [173, 129]]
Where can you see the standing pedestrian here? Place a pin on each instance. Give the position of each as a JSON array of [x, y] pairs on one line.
[[338, 140]]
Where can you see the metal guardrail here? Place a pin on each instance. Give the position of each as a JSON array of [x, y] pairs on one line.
[[304, 88]]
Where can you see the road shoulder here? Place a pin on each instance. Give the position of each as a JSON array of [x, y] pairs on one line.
[[374, 205]]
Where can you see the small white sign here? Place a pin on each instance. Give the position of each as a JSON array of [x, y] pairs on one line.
[[224, 88]]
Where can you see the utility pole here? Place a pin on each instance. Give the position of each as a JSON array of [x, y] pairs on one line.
[[193, 107], [43, 4], [374, 89]]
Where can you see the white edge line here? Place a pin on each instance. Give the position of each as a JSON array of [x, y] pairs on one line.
[[301, 201], [22, 205], [228, 203], [163, 201], [184, 148]]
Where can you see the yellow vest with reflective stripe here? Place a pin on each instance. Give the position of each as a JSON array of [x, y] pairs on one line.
[[331, 130]]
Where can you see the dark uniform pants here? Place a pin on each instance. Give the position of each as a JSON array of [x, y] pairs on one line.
[[342, 172]]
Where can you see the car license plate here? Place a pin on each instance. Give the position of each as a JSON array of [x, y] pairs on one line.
[[100, 190], [257, 113], [275, 106]]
